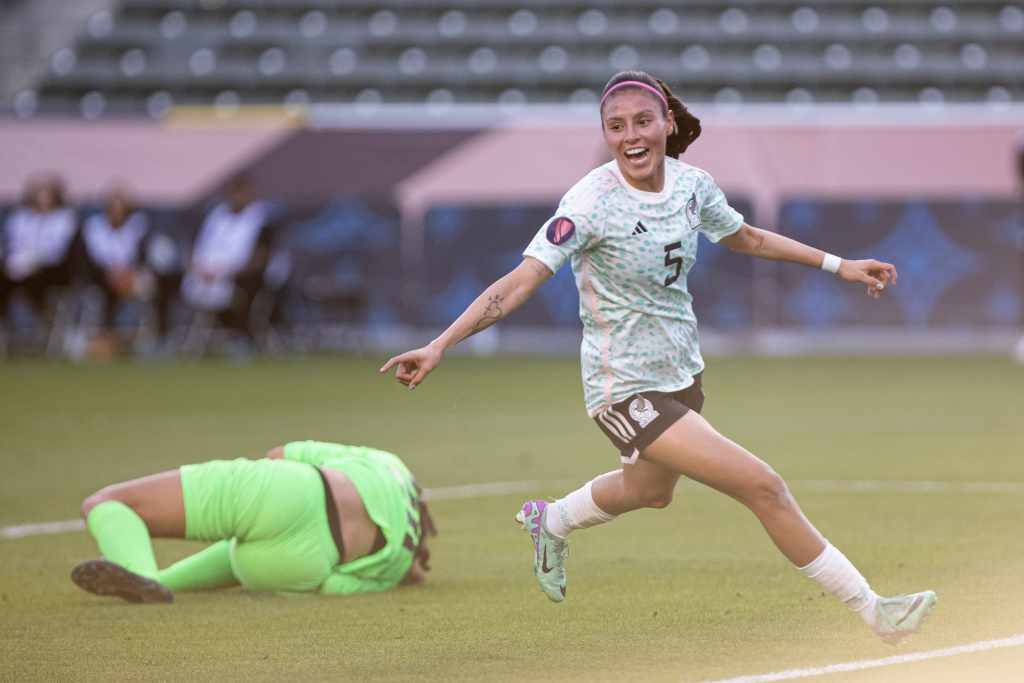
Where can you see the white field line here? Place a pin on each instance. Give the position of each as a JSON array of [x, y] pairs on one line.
[[497, 488], [23, 530], [871, 486], [980, 646], [504, 488]]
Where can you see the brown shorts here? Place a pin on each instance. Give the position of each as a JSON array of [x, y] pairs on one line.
[[633, 425]]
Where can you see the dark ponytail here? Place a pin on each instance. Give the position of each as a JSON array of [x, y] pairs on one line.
[[687, 125]]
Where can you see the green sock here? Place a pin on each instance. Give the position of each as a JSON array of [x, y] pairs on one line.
[[209, 568], [122, 537]]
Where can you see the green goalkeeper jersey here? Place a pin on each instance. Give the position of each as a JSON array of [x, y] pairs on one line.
[[391, 499]]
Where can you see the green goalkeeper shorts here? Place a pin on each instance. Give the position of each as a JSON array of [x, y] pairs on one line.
[[274, 513]]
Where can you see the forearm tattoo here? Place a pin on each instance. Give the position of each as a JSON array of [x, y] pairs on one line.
[[492, 314]]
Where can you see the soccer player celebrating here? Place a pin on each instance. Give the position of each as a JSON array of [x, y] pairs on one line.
[[630, 229], [310, 517]]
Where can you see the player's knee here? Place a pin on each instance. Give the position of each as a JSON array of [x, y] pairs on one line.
[[659, 499], [652, 497], [101, 496], [769, 493]]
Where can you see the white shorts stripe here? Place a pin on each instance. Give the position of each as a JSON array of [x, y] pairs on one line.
[[612, 427], [616, 415]]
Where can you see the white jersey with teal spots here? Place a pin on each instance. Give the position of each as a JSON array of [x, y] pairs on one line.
[[631, 251]]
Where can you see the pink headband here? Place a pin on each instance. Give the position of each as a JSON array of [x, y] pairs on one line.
[[635, 84]]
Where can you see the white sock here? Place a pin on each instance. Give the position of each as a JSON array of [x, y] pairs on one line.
[[838, 576], [576, 511]]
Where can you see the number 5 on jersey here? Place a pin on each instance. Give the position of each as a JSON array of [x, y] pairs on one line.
[[673, 261]]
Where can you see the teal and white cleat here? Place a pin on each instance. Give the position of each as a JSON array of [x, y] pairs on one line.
[[549, 551], [898, 617]]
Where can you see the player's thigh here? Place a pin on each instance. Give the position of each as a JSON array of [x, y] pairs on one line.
[[250, 500], [298, 563], [649, 481], [693, 448], [157, 499]]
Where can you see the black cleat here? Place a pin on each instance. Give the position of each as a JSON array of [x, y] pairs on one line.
[[103, 577]]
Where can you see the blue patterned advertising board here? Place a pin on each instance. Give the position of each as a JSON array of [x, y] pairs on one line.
[[959, 262]]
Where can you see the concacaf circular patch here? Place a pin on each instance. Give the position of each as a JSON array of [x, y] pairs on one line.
[[560, 230]]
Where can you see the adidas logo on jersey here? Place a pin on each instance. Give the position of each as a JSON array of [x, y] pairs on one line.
[[639, 229]]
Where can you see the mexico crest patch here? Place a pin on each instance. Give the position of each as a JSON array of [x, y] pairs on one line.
[[642, 411]]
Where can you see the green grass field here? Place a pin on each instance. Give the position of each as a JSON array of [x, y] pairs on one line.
[[693, 592]]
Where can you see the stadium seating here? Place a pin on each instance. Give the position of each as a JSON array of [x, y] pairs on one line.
[[151, 54]]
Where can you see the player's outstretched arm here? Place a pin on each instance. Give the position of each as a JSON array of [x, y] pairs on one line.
[[496, 302], [771, 245]]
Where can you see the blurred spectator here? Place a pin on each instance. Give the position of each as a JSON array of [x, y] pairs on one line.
[[114, 247], [229, 257], [267, 320], [165, 260], [16, 219], [38, 256]]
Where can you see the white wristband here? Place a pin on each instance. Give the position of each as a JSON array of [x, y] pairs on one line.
[[831, 263]]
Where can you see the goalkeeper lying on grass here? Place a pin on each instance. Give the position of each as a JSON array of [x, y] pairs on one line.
[[310, 517]]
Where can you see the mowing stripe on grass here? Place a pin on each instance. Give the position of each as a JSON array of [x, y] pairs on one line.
[[980, 646], [504, 488]]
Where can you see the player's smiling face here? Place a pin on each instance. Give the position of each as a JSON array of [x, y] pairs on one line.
[[636, 130]]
